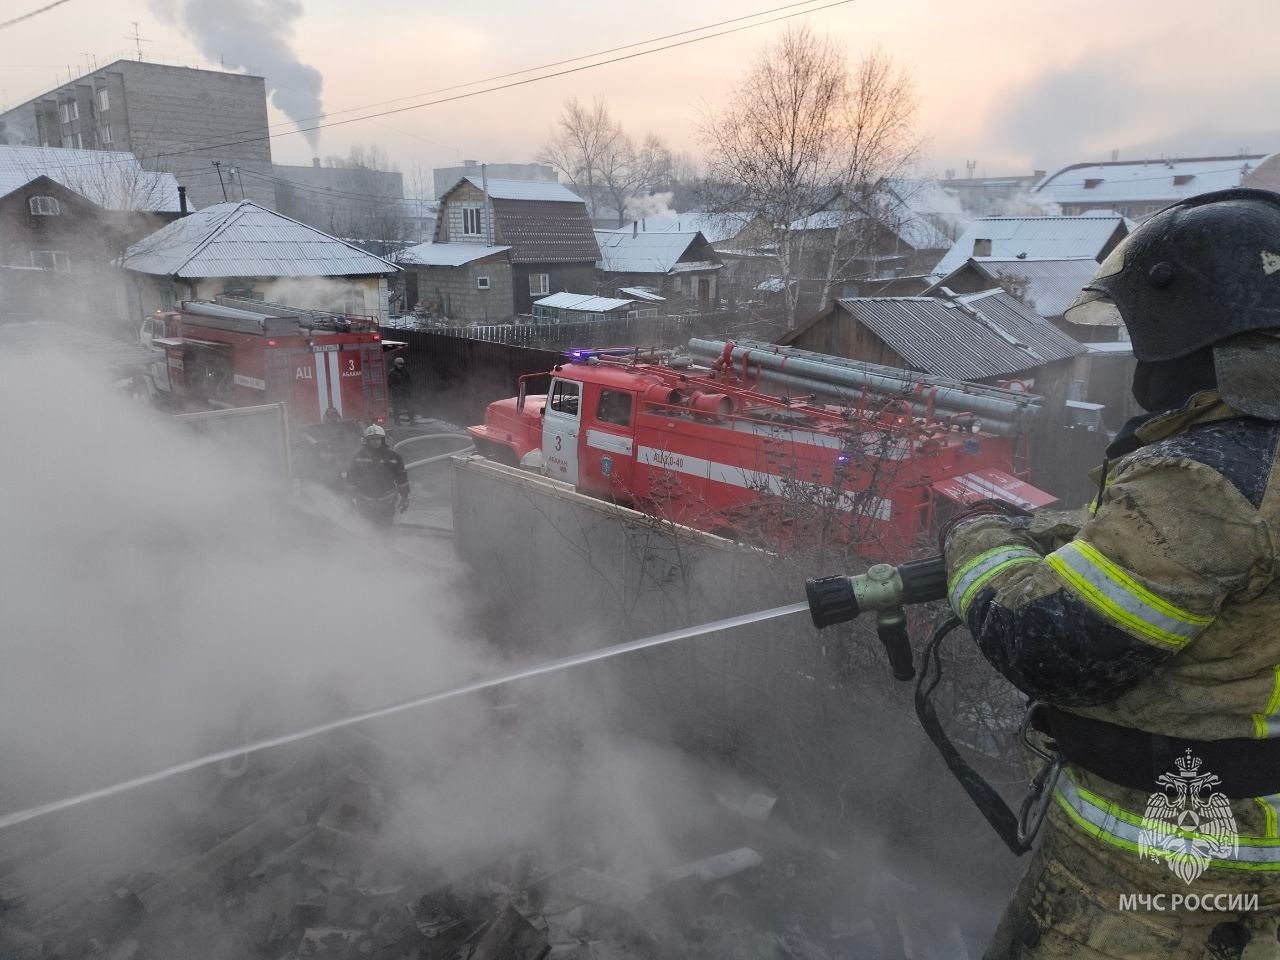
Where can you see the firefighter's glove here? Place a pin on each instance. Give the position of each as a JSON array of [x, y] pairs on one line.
[[1002, 509]]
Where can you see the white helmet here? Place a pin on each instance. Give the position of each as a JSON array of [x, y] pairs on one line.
[[374, 435], [399, 361]]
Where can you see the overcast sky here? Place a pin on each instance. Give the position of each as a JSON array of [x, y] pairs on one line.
[[1011, 84]]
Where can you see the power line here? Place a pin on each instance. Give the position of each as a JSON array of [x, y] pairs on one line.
[[545, 66], [517, 83], [33, 13]]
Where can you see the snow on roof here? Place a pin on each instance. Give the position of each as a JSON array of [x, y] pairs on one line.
[[1152, 181], [642, 293], [715, 227], [112, 179], [1051, 283], [622, 251], [582, 302], [1053, 237], [446, 254], [242, 239], [524, 190]]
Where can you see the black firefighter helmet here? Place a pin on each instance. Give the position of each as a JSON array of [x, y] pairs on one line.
[[1198, 273]]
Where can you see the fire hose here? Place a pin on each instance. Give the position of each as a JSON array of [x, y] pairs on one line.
[[886, 590]]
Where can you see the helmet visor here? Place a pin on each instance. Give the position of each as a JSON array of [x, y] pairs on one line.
[[1093, 307]]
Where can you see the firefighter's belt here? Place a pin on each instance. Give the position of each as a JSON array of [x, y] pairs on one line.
[[1135, 759]]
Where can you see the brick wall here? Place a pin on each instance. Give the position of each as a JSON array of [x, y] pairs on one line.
[[171, 108], [450, 228]]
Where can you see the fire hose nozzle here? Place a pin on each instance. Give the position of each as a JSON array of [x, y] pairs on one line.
[[883, 587]]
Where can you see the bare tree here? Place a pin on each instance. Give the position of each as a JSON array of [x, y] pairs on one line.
[[583, 136], [603, 163], [803, 135], [877, 144]]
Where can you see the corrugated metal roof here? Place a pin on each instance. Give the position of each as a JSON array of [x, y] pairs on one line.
[[544, 231], [112, 179], [642, 293], [622, 251], [446, 254], [583, 302], [525, 190], [1127, 181], [1050, 284], [245, 240], [1058, 238], [972, 337]]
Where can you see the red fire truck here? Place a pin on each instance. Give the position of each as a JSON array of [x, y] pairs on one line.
[[233, 353], [706, 447]]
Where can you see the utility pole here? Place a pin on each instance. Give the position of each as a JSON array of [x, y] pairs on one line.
[[221, 183]]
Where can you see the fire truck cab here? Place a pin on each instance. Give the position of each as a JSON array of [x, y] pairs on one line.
[[231, 353], [698, 448]]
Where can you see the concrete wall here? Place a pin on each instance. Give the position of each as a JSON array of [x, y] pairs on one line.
[[452, 291]]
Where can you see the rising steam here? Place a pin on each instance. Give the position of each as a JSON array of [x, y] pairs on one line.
[[255, 35]]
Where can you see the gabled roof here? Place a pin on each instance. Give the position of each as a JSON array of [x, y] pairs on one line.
[[112, 179], [715, 227], [622, 251], [242, 239], [524, 190], [969, 337], [1054, 237], [1051, 284], [1158, 181], [446, 254], [583, 302]]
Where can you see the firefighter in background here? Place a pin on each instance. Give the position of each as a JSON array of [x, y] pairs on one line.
[[1151, 632], [400, 390], [377, 477]]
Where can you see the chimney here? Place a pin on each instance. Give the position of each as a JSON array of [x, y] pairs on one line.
[[182, 199], [982, 248], [315, 162], [635, 228]]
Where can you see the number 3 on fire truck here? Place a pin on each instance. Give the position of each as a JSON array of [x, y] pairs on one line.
[[557, 441]]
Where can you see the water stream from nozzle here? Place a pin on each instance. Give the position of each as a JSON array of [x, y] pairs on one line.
[[551, 666]]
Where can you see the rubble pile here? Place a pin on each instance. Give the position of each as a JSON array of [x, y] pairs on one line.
[[284, 861]]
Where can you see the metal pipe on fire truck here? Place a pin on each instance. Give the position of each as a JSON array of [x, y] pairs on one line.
[[948, 396]]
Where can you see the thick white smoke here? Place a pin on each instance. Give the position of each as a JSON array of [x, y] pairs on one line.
[[255, 35]]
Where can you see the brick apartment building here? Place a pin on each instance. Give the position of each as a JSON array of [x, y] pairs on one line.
[[174, 119]]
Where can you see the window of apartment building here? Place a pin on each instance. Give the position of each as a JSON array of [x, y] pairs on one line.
[[106, 132], [44, 206], [539, 284], [471, 222], [50, 260], [482, 283], [70, 111], [104, 99]]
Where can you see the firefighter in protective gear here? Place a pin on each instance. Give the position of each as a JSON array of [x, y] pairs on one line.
[[400, 390], [377, 472], [1152, 632]]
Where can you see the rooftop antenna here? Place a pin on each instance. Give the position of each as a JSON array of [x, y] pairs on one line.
[[221, 182], [138, 40]]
